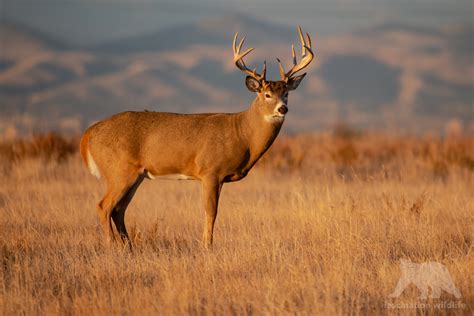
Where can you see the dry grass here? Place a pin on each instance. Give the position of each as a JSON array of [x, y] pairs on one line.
[[318, 228], [47, 147]]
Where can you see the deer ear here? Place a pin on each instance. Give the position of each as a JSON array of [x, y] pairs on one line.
[[252, 84], [294, 82]]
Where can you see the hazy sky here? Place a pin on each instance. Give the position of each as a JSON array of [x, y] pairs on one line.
[[85, 22]]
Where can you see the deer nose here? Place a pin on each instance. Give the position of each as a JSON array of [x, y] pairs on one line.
[[283, 109]]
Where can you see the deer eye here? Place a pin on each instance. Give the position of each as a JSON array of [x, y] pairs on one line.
[[268, 95]]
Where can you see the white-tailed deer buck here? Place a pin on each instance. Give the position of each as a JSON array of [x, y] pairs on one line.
[[214, 148]]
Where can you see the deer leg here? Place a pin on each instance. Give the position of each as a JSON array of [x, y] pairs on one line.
[[106, 206], [211, 189], [104, 211], [118, 213]]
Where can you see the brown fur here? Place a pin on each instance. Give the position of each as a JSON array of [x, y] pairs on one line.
[[83, 147]]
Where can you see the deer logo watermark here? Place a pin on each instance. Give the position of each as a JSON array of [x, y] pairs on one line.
[[425, 275]]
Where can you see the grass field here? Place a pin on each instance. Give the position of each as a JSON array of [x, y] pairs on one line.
[[318, 227]]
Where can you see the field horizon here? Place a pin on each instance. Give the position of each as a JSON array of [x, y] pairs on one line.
[[319, 226]]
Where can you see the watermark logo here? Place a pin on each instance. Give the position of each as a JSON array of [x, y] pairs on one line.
[[425, 275]]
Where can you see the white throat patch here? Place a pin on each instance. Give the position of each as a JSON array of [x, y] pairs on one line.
[[274, 118]]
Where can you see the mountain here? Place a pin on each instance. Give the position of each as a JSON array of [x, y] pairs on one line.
[[212, 31], [18, 40], [390, 76]]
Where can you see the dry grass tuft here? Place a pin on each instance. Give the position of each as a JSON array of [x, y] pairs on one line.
[[48, 147], [367, 154], [317, 228]]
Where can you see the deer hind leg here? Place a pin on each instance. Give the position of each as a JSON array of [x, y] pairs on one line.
[[211, 189], [104, 210], [116, 191], [118, 213]]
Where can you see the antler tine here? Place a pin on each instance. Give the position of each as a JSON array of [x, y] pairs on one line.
[[238, 48], [282, 72], [303, 44], [309, 40], [293, 53], [264, 69], [239, 62], [240, 44], [235, 41], [307, 55]]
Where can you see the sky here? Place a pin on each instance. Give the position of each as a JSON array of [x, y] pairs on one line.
[[89, 22]]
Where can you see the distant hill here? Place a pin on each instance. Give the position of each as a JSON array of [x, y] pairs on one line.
[[17, 40], [391, 76], [212, 31]]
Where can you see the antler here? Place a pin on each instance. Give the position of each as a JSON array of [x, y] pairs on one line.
[[306, 53], [239, 62]]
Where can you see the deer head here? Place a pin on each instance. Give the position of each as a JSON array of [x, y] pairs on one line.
[[272, 96]]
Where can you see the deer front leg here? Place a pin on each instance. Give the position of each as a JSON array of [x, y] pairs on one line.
[[211, 189]]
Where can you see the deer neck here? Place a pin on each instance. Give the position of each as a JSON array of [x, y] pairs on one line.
[[258, 132]]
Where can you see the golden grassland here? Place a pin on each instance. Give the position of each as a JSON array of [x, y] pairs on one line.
[[318, 227]]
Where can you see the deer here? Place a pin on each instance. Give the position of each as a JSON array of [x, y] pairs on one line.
[[213, 148]]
